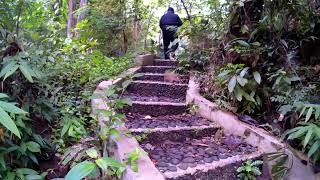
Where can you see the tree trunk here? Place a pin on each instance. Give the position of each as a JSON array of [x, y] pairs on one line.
[[125, 41], [70, 23], [147, 32], [82, 15], [18, 19], [136, 30], [186, 9]]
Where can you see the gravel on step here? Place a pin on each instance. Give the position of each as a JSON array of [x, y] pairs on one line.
[[135, 121], [169, 156], [136, 97]]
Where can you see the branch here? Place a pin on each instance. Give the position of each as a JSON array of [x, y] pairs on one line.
[[18, 19], [185, 8]]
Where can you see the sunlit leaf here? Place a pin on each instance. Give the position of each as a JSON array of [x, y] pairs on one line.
[[309, 113], [7, 122], [314, 148], [33, 146], [92, 153], [243, 43], [257, 77], [232, 84], [80, 171], [10, 107], [26, 72]]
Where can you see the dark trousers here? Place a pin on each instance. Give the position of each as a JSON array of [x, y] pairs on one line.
[[168, 36]]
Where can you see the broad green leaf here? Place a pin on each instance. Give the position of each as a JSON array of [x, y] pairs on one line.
[[26, 72], [243, 43], [102, 164], [115, 133], [2, 95], [7, 67], [34, 177], [110, 92], [138, 75], [126, 83], [10, 176], [7, 122], [111, 162], [11, 71], [44, 174], [298, 133], [232, 84], [242, 81], [10, 107], [80, 171], [92, 153], [33, 146], [317, 113], [256, 171], [256, 44], [65, 128], [307, 138], [26, 171], [238, 94], [33, 158], [134, 166], [248, 97], [294, 78], [244, 71], [224, 73], [96, 96], [105, 112], [314, 148], [309, 113], [127, 101], [303, 110], [257, 77], [278, 80], [50, 58]]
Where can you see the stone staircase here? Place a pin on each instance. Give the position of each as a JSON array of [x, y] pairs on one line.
[[180, 144]]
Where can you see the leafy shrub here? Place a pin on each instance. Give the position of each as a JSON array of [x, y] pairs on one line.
[[242, 84], [249, 170], [309, 136]]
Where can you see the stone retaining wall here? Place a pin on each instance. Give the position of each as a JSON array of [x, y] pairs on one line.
[[253, 135]]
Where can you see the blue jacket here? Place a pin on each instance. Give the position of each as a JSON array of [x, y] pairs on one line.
[[170, 19]]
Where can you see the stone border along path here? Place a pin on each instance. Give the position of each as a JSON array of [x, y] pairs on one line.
[[181, 145]]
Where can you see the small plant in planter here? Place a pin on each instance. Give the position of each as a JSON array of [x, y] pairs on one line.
[[249, 170]]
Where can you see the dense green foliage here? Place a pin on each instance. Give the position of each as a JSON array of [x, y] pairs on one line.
[[259, 58], [47, 80], [256, 57]]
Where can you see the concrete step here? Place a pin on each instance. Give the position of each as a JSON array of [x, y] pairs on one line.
[[182, 79], [138, 97], [196, 153], [157, 69], [156, 88], [156, 108], [143, 123], [165, 62]]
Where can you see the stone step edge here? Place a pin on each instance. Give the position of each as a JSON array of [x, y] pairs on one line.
[[158, 103], [125, 145], [166, 60], [211, 166], [158, 82], [167, 67], [253, 135], [162, 74], [172, 129]]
